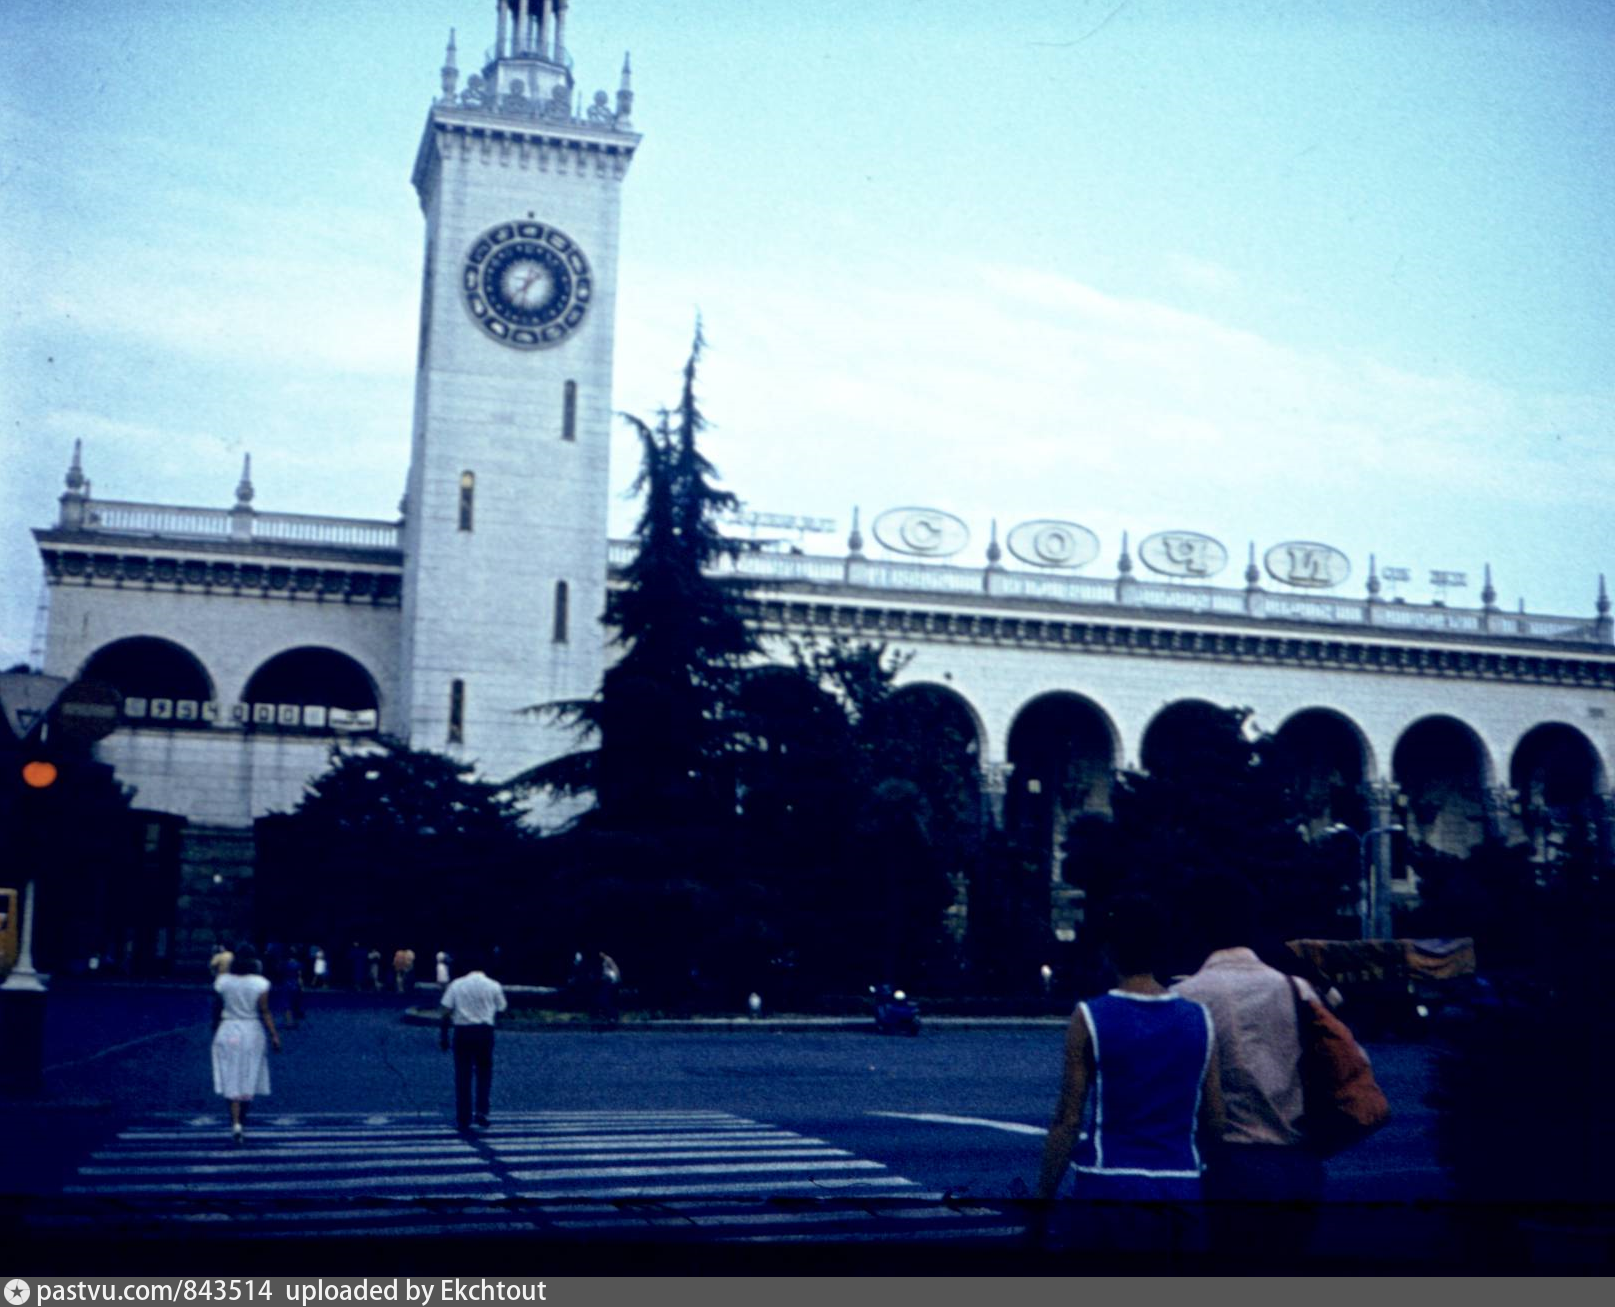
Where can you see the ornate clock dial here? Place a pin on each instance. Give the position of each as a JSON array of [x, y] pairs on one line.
[[526, 284]]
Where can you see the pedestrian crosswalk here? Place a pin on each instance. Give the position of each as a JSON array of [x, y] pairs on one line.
[[701, 1174]]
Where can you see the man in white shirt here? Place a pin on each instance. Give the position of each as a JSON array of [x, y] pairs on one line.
[[470, 1004]]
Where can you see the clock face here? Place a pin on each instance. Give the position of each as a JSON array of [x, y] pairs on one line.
[[526, 284]]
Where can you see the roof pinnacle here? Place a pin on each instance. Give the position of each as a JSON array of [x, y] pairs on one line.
[[75, 470], [855, 537], [244, 490]]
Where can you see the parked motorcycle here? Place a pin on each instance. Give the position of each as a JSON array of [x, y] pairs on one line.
[[895, 1012]]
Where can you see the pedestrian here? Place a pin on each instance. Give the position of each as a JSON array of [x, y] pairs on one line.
[[1141, 1068], [442, 971], [373, 969], [242, 1026], [607, 981], [219, 963], [1262, 1182], [290, 985], [322, 968], [404, 970], [470, 1004]]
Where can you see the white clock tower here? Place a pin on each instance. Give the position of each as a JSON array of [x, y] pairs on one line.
[[505, 514]]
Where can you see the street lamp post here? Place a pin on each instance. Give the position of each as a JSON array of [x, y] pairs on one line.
[[1373, 902]]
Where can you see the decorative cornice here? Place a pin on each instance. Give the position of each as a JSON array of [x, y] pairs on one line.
[[172, 574], [880, 622]]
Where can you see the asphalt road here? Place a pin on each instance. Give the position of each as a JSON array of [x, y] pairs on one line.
[[866, 1142]]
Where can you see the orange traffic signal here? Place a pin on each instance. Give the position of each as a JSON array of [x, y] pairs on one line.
[[39, 774]]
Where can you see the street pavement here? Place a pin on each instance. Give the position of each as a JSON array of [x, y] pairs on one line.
[[669, 1146]]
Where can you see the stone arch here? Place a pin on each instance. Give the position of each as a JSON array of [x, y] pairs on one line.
[[937, 743], [1559, 778], [1062, 750], [162, 683], [1444, 771], [1329, 760], [312, 688], [1171, 733]]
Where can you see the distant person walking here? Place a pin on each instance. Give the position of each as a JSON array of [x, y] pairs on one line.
[[1141, 1068], [243, 1026], [373, 969], [607, 982], [404, 970], [290, 986], [1263, 1183], [470, 1005]]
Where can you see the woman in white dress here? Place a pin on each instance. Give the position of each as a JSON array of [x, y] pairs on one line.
[[240, 1055]]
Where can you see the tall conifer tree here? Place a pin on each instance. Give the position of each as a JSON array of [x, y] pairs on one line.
[[662, 727]]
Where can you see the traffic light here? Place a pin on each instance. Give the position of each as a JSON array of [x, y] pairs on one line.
[[39, 773]]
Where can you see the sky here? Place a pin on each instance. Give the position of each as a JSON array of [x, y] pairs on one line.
[[1268, 270]]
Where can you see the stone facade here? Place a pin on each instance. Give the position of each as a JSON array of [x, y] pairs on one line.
[[287, 634]]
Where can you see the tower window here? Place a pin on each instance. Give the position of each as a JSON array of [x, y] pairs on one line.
[[456, 711], [569, 411], [468, 495], [562, 600]]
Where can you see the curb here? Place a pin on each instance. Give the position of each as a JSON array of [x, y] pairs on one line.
[[784, 1025]]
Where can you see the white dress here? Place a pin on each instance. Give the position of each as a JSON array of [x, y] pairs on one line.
[[240, 1047]]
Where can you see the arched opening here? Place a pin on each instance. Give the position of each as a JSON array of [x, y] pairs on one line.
[[1177, 740], [1556, 772], [1062, 755], [162, 683], [312, 689], [1326, 759], [1442, 769]]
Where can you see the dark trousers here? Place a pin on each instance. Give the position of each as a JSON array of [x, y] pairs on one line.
[[473, 1059], [1262, 1201]]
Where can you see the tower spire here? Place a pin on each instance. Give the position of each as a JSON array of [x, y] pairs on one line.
[[451, 71], [625, 96]]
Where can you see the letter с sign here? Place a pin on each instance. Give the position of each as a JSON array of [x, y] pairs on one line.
[[1307, 564]]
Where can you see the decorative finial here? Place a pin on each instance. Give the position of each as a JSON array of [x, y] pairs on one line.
[[1124, 564], [451, 71], [1488, 594], [625, 96], [995, 555], [1373, 578], [1252, 576], [75, 471], [1603, 597], [855, 537], [244, 490]]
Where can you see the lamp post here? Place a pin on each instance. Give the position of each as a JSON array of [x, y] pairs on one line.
[[1373, 902]]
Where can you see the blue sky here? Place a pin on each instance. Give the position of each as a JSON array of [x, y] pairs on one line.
[[1269, 270]]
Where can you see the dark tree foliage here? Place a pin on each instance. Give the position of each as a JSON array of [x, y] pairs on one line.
[[76, 841], [863, 802], [1010, 937], [396, 847], [661, 732], [1220, 801]]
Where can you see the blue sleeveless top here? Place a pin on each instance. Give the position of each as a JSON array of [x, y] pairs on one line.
[[1150, 1054]]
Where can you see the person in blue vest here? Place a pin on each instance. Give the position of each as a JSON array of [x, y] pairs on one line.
[[1139, 1092]]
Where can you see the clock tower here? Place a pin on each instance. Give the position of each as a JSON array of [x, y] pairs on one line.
[[505, 513]]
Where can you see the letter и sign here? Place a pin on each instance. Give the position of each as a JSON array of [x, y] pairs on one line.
[[1307, 564]]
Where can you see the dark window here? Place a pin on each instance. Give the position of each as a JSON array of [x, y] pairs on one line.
[[562, 598], [457, 712], [569, 411], [468, 495]]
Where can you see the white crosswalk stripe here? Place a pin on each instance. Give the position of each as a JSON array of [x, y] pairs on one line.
[[702, 1174]]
